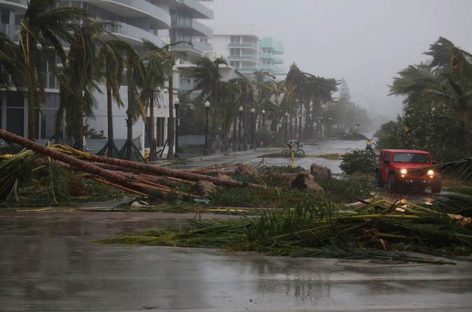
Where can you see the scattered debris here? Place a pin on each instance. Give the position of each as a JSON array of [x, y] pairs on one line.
[[306, 182], [320, 172]]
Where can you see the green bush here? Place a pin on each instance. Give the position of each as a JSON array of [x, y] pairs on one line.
[[349, 188], [358, 161]]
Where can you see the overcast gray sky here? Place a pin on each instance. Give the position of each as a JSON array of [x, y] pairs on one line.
[[365, 42]]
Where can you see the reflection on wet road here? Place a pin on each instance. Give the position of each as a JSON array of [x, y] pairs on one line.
[[48, 262], [319, 148]]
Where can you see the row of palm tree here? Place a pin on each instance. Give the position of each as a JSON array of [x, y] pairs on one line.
[[90, 55], [299, 94]]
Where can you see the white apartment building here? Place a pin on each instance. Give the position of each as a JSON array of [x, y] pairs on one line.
[[158, 21], [246, 52]]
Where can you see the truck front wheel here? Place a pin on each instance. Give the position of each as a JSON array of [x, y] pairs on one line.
[[436, 187], [391, 184]]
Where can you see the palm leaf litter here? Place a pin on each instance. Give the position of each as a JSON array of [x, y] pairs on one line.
[[380, 230]]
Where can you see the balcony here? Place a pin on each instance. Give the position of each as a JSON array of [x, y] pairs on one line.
[[198, 10], [10, 30], [135, 8], [195, 47], [278, 60], [15, 4], [197, 28], [247, 70], [134, 34], [243, 45], [266, 56], [245, 58]]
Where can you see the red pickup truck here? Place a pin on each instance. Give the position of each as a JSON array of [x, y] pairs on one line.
[[399, 169]]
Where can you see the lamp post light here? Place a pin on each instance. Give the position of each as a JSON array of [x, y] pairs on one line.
[[286, 127], [207, 109], [253, 128], [263, 118], [299, 127], [177, 124], [240, 126]]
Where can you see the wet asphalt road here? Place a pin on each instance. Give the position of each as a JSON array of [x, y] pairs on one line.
[[49, 262]]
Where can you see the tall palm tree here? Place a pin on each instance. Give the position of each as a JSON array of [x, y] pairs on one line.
[[152, 77], [78, 80], [110, 65], [43, 29], [135, 107], [168, 62], [208, 78]]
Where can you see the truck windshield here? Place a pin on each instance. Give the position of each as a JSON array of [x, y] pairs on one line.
[[410, 158]]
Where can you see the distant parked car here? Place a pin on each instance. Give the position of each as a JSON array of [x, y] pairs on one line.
[[401, 169]]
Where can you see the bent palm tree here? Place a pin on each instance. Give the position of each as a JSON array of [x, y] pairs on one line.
[[43, 29], [110, 66], [135, 107], [167, 60], [151, 78], [208, 77], [77, 79]]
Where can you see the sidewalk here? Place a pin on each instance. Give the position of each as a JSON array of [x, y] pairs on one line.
[[219, 159]]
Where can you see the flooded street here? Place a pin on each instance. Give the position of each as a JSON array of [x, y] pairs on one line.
[[49, 262], [321, 147]]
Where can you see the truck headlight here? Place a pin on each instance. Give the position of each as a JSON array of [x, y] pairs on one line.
[[403, 171], [430, 172]]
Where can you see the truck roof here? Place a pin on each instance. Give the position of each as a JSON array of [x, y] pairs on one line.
[[404, 151]]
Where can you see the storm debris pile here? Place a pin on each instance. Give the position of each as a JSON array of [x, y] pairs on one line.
[[132, 177]]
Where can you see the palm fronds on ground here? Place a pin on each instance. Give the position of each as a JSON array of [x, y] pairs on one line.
[[382, 230]]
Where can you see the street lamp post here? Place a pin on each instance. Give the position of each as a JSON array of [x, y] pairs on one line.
[[240, 126], [177, 124], [207, 109], [253, 128], [299, 127], [263, 118], [286, 127]]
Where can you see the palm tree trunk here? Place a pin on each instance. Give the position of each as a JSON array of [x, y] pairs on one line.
[[129, 135], [59, 124], [74, 162], [80, 123], [152, 129], [110, 122], [171, 122], [31, 81]]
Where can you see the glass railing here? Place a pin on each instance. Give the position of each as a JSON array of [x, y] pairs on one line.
[[243, 57], [202, 10], [246, 69], [196, 46], [135, 33], [148, 8], [23, 3], [10, 30], [195, 25], [243, 45], [278, 60]]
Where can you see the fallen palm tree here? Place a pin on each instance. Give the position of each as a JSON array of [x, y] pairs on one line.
[[134, 177]]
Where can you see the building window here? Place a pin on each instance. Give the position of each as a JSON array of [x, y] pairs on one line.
[[47, 117], [15, 113]]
